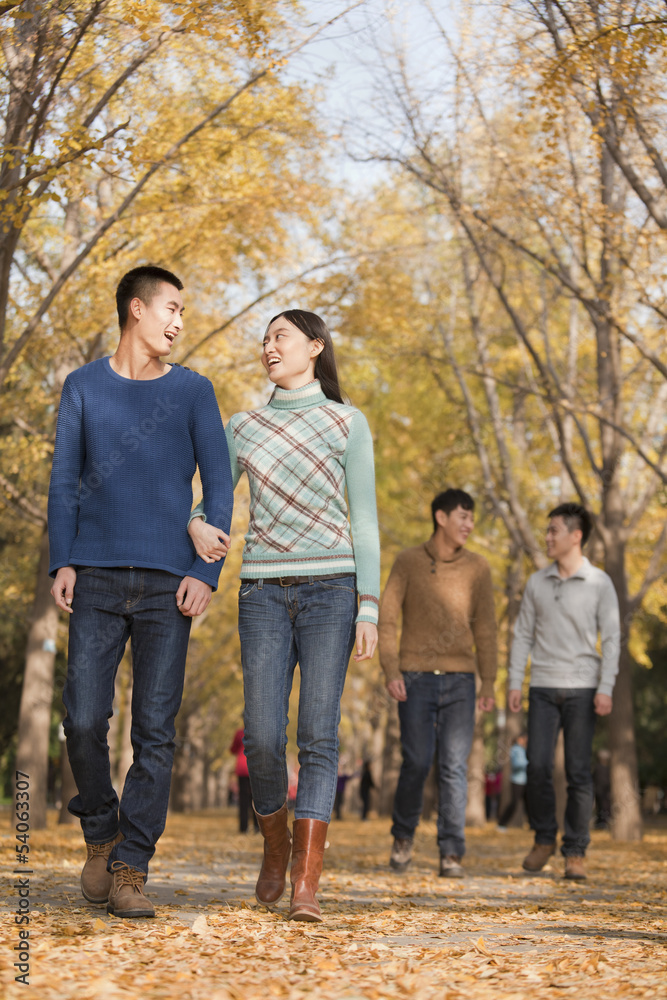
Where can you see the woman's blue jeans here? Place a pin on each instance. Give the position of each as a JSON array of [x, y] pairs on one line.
[[112, 605], [312, 624], [439, 712], [548, 710]]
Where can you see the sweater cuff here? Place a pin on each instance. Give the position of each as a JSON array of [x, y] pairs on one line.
[[368, 609], [206, 572], [515, 680], [487, 689], [55, 566], [604, 688], [391, 668]]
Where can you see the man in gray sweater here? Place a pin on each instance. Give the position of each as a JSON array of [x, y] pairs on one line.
[[564, 609]]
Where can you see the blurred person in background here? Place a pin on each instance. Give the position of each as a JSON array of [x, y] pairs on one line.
[[443, 595], [565, 609]]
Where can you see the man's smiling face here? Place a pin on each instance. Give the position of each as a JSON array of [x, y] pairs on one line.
[[160, 321]]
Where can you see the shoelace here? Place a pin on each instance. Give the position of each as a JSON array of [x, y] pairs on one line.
[[128, 876], [103, 849]]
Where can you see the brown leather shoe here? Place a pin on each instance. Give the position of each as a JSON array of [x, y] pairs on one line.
[[574, 868], [451, 867], [538, 857], [95, 879], [126, 897], [307, 856], [277, 848]]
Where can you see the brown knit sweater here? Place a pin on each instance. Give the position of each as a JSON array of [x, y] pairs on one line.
[[448, 615]]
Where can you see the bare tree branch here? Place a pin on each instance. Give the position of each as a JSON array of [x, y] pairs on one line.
[[20, 503], [656, 570], [29, 429], [16, 348]]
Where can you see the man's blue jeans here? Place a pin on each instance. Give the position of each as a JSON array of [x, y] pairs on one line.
[[440, 710], [314, 624], [548, 710], [112, 605]]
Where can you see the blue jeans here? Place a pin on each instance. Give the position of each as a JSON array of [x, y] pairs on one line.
[[112, 605], [548, 710], [440, 710], [314, 624]]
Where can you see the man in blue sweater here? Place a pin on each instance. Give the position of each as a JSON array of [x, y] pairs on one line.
[[131, 432]]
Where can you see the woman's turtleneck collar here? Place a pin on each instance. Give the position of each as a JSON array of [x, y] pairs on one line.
[[298, 399]]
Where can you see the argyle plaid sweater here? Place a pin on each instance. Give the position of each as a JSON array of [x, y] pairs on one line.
[[302, 454]]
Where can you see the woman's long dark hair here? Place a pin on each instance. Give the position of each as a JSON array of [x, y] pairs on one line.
[[325, 363]]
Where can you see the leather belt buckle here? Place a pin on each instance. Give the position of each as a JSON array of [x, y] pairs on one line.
[[287, 581]]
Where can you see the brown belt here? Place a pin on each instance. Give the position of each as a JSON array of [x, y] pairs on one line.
[[289, 581]]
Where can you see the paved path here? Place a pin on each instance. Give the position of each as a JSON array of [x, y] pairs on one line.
[[495, 933]]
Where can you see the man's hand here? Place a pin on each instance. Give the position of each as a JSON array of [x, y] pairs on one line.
[[62, 590], [514, 700], [211, 544], [602, 704], [367, 635], [486, 704], [396, 689], [192, 596]]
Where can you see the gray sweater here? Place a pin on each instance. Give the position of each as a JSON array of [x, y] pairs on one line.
[[558, 627]]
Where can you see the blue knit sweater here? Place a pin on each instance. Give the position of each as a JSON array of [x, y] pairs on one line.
[[125, 455]]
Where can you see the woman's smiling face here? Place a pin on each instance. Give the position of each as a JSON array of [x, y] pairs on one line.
[[288, 355]]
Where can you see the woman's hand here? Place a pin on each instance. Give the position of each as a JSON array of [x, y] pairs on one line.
[[211, 544], [367, 636]]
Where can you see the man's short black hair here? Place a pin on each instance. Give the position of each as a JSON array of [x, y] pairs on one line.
[[449, 501], [575, 516], [141, 283]]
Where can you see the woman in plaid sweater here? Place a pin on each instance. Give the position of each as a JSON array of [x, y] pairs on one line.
[[310, 585]]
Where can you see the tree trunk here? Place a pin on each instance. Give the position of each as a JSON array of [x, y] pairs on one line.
[[626, 816], [560, 781], [391, 761], [32, 755], [189, 771], [118, 734], [68, 787], [197, 766], [515, 722], [374, 753], [212, 789], [113, 738], [626, 822], [476, 807], [430, 803], [126, 755]]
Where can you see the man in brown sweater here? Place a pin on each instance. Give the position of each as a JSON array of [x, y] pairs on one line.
[[445, 597]]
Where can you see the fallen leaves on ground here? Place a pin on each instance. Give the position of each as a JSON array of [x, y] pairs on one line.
[[497, 933]]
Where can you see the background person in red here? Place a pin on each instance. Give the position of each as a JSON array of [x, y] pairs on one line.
[[241, 771]]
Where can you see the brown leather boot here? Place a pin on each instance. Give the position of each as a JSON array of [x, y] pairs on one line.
[[537, 857], [126, 896], [277, 847], [574, 867], [307, 856], [95, 879]]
